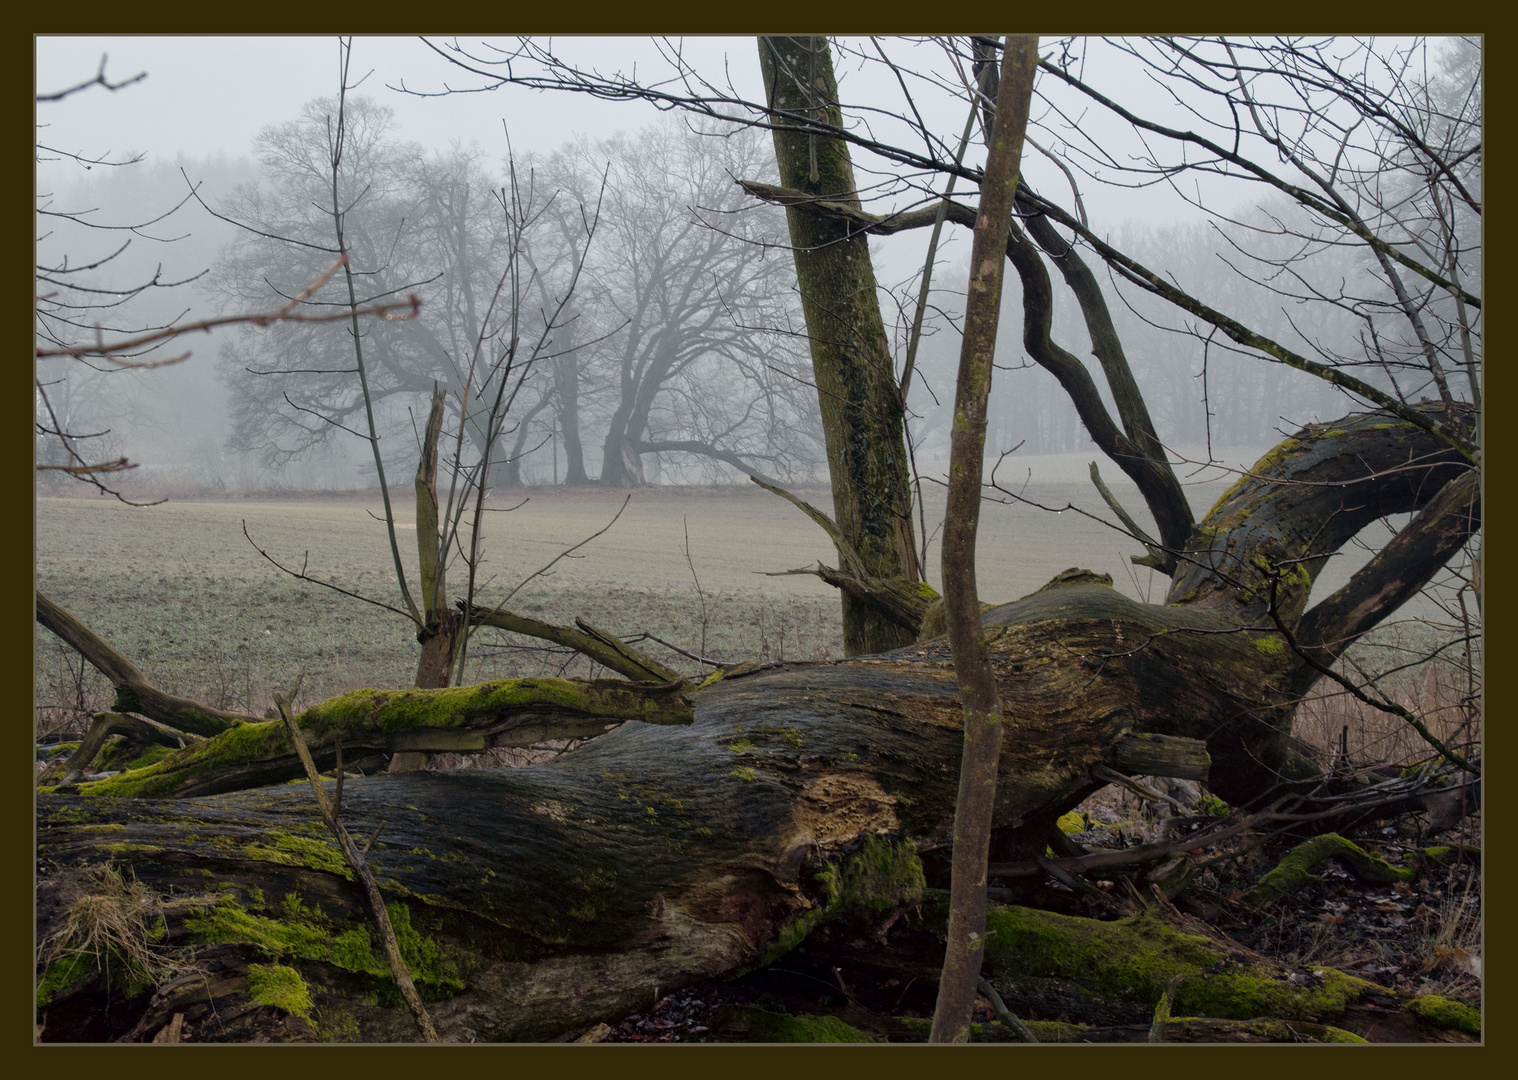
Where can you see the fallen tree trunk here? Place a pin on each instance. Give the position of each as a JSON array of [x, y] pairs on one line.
[[554, 897], [655, 856], [542, 900], [465, 719]]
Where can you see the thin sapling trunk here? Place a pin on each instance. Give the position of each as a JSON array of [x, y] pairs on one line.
[[965, 941]]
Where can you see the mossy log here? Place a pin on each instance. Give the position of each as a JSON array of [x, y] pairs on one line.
[[133, 749], [1295, 868], [554, 897], [658, 855], [512, 712]]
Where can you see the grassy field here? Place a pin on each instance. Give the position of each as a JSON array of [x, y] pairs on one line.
[[179, 589]]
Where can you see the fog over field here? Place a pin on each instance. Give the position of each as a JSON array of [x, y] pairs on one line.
[[182, 591], [206, 423]]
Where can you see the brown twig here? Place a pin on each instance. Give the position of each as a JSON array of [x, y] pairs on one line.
[[392, 310], [1003, 1013], [360, 866]]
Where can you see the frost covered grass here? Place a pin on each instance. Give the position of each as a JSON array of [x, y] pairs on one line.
[[179, 591]]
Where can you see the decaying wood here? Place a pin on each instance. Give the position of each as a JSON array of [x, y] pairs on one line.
[[441, 626], [605, 649], [904, 603], [663, 853], [1146, 754]]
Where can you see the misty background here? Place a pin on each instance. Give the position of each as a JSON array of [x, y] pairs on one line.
[[240, 121]]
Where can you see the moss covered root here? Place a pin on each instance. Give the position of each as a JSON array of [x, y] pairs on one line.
[[1444, 1013], [1136, 957], [1295, 869]]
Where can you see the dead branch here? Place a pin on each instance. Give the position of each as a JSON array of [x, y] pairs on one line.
[[398, 309], [605, 649], [133, 692]]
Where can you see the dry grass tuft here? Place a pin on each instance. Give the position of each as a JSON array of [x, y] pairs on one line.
[[113, 929], [1443, 692]]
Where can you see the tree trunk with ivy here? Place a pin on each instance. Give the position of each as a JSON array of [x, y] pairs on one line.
[[682, 845]]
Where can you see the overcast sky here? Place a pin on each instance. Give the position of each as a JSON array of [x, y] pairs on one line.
[[205, 96], [209, 96], [213, 95]]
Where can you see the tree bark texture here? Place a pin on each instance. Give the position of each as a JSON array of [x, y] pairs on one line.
[[851, 357], [557, 896], [972, 661]]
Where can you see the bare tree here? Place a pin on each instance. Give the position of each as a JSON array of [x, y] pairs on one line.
[[393, 215], [692, 303], [697, 840]]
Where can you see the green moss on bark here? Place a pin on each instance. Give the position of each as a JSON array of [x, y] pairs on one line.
[[238, 745], [1445, 1013], [395, 711], [885, 875], [288, 850], [303, 933], [61, 976]]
